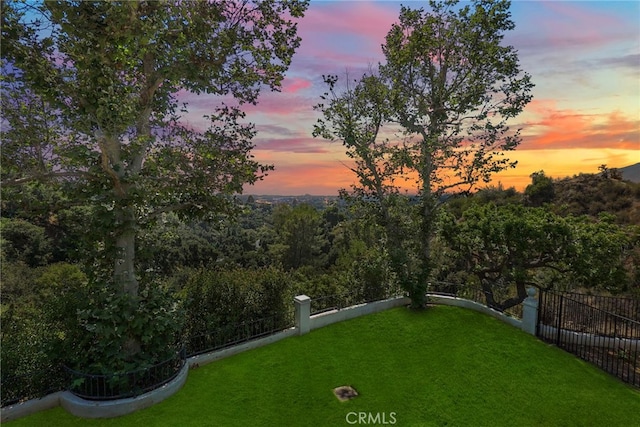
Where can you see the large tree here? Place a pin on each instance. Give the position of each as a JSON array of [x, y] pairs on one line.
[[507, 248], [435, 114], [109, 79]]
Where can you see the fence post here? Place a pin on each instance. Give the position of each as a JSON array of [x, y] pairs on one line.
[[530, 312], [303, 314]]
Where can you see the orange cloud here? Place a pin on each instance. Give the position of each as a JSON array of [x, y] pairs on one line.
[[552, 128]]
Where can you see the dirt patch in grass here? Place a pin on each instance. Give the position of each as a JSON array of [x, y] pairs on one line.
[[345, 392]]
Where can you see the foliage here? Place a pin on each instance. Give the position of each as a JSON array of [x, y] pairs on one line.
[[24, 242], [361, 251], [510, 247], [214, 299], [39, 324], [498, 195], [48, 205], [540, 191], [300, 234], [110, 319], [592, 194], [602, 252], [18, 284], [448, 87], [172, 244], [96, 89]]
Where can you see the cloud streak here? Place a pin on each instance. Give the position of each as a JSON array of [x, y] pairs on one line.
[[292, 145], [295, 84], [553, 128]]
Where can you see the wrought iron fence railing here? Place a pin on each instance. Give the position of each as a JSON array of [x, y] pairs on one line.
[[604, 338], [234, 334], [343, 300], [621, 306], [16, 388], [121, 385]]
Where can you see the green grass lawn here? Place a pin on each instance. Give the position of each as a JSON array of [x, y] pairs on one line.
[[444, 366]]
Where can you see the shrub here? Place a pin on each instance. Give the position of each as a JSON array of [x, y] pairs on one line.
[[24, 242], [212, 300], [39, 327], [119, 333]]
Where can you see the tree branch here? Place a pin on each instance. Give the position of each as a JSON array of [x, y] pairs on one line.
[[46, 176], [171, 208]]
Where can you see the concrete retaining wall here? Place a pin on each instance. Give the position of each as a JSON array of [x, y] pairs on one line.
[[115, 408], [472, 305], [22, 409], [581, 338], [334, 316]]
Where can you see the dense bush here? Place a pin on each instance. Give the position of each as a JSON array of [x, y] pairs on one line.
[[119, 333], [39, 326], [24, 242], [213, 299]]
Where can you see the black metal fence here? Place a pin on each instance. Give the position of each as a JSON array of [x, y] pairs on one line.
[[339, 301], [18, 388], [622, 306], [32, 385], [235, 334], [593, 328], [121, 385], [326, 303]]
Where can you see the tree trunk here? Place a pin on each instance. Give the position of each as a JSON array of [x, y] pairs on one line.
[[509, 302], [427, 211], [124, 273]]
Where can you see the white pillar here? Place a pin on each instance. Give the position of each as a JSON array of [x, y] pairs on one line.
[[303, 314], [530, 312]]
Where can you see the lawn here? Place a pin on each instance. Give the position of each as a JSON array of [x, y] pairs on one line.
[[444, 366]]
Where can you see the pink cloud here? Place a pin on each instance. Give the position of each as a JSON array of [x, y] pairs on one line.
[[366, 19], [295, 84], [280, 104], [276, 104], [274, 129], [341, 35]]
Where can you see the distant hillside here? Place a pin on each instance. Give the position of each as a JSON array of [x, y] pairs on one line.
[[591, 194], [631, 173]]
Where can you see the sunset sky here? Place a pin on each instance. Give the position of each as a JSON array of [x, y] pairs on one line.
[[583, 56]]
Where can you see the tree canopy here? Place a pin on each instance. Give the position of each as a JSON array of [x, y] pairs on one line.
[[513, 246], [98, 88], [435, 114]]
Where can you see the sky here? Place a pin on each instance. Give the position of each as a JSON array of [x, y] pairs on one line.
[[583, 56]]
